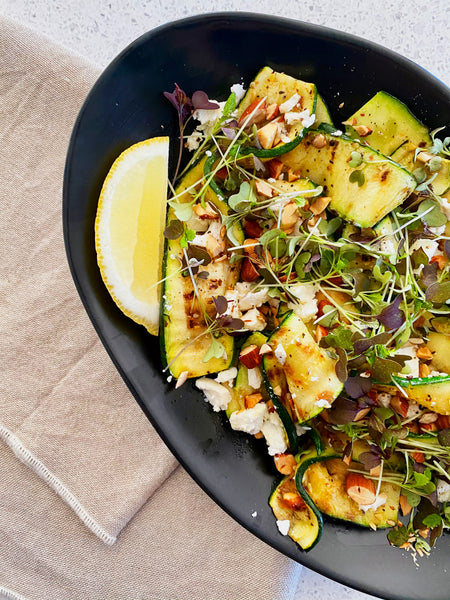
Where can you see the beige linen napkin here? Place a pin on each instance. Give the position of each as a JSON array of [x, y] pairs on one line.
[[64, 410]]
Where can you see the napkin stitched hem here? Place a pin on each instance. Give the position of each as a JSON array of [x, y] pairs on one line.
[[10, 594], [28, 458]]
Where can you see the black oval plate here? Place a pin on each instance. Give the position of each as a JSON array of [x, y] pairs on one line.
[[126, 105]]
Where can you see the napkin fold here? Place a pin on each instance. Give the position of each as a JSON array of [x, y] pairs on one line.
[[66, 413]]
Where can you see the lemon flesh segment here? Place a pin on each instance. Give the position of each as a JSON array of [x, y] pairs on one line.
[[129, 229]]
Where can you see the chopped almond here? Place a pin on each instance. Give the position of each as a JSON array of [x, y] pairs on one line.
[[440, 260], [249, 247], [400, 404], [252, 400], [257, 107], [250, 356], [418, 457], [259, 435], [264, 189], [277, 390], [320, 306], [292, 176], [275, 167], [289, 216], [249, 273], [267, 135], [272, 111], [362, 130], [361, 414], [424, 353], [428, 426], [319, 141], [424, 157], [253, 229], [360, 489], [206, 212], [375, 471], [443, 422], [428, 417], [285, 463], [293, 501], [405, 505], [424, 370], [319, 205], [321, 332], [265, 349]]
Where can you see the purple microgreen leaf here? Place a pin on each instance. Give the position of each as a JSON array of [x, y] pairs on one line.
[[370, 460], [343, 411], [341, 365], [361, 282], [357, 386], [360, 346], [391, 316], [174, 230], [447, 248], [438, 293], [259, 165], [314, 258], [200, 254], [221, 304], [429, 274], [384, 368], [436, 532], [363, 236], [201, 101], [229, 132], [180, 101]]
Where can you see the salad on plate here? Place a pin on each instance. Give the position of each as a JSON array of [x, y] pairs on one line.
[[304, 285]]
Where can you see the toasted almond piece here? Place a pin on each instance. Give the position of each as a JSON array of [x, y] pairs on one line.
[[440, 260], [428, 417], [321, 332], [250, 356], [375, 472], [400, 404], [424, 157], [277, 390], [285, 463], [292, 176], [182, 379], [258, 108], [319, 141], [267, 134], [361, 414], [362, 130], [272, 111], [424, 532], [253, 229], [418, 457], [213, 246], [264, 189], [424, 353], [249, 272], [373, 526], [336, 466], [424, 370], [206, 212], [289, 216], [443, 422], [275, 167], [265, 349], [252, 400], [319, 205], [360, 489], [293, 501], [259, 435]]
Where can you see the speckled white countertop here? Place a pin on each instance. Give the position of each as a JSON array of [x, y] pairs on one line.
[[99, 29]]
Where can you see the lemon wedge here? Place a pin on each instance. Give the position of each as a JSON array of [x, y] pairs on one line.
[[129, 229]]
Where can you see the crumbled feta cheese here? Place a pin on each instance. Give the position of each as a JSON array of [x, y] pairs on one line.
[[231, 296], [308, 120], [413, 411], [254, 320], [292, 117], [379, 501], [443, 491], [280, 353], [275, 434], [411, 368], [430, 247], [322, 403], [314, 378], [169, 379], [338, 132], [251, 299], [289, 104], [437, 230], [239, 90], [193, 140], [214, 229], [254, 514], [301, 429], [249, 420], [306, 308], [445, 206], [215, 393], [208, 117], [283, 526], [384, 399], [208, 153], [227, 376], [254, 378], [181, 379]]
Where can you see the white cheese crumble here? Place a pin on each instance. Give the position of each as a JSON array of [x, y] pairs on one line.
[[306, 307], [322, 403], [254, 514], [239, 90], [254, 378], [437, 230], [275, 434], [280, 353], [289, 104], [411, 368], [445, 206], [249, 298], [379, 501], [430, 247], [283, 526], [227, 376], [249, 420], [215, 393], [254, 320], [443, 491], [384, 399]]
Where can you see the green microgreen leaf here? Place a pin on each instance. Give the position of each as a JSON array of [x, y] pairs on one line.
[[300, 263], [277, 247], [398, 536], [215, 350], [432, 520], [340, 338], [435, 218], [271, 235], [384, 368], [357, 177], [435, 164], [438, 293], [182, 210], [355, 160], [243, 198], [412, 498], [419, 174]]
